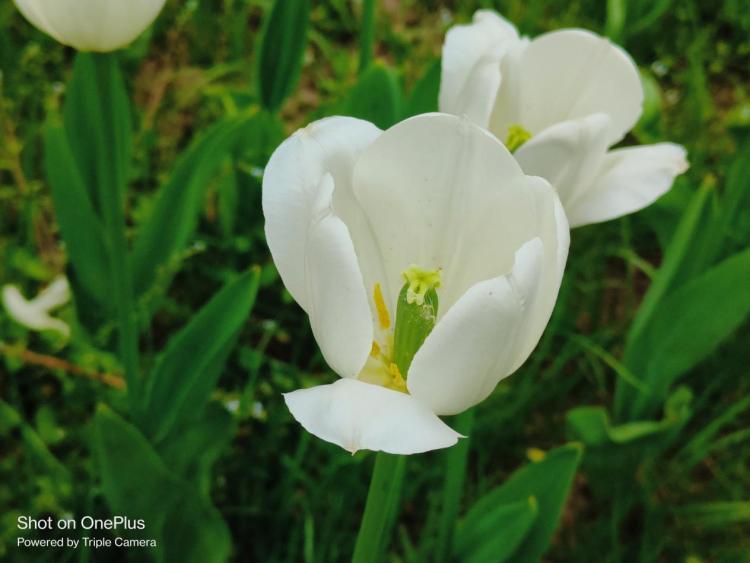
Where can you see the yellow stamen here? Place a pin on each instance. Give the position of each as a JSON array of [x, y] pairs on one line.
[[375, 350], [517, 136], [383, 317], [397, 380]]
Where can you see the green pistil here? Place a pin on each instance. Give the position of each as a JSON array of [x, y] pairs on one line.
[[517, 136]]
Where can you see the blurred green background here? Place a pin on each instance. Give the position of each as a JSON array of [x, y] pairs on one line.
[[677, 491]]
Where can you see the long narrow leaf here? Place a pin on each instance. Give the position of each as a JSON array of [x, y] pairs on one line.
[[182, 381], [179, 203], [281, 51]]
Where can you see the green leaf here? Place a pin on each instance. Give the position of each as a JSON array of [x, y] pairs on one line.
[[192, 450], [692, 322], [548, 481], [136, 482], [678, 252], [183, 379], [376, 97], [178, 206], [495, 534], [228, 198], [715, 514], [80, 227], [591, 425], [424, 96], [282, 50]]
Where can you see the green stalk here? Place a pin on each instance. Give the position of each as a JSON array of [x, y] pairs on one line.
[[381, 508], [112, 176], [367, 35], [416, 313], [453, 483]]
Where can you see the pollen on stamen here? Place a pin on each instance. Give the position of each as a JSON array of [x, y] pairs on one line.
[[384, 319]]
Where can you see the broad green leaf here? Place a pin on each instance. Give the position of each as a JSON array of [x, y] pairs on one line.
[[424, 96], [97, 123], [282, 50], [179, 203], [183, 379], [692, 322], [136, 482], [367, 34], [548, 481], [495, 534], [376, 97], [192, 450], [735, 220], [80, 227], [635, 355]]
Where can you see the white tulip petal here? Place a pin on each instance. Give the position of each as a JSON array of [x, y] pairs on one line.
[[471, 65], [478, 341], [34, 316], [360, 416], [631, 178], [573, 73], [441, 192], [339, 315], [92, 25], [569, 155], [311, 246]]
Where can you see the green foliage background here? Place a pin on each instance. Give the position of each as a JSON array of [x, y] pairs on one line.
[[672, 484]]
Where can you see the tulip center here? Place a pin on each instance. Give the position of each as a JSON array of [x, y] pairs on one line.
[[416, 314], [517, 136]]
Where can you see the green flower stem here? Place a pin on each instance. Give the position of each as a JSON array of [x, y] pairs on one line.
[[366, 35], [416, 313], [453, 484], [381, 508], [111, 186]]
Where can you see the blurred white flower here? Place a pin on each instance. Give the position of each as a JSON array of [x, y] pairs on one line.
[[34, 314], [91, 25], [559, 102], [351, 211]]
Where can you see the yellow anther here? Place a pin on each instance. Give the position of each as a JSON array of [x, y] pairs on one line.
[[420, 282], [397, 380], [535, 454], [383, 317], [375, 350], [517, 136]]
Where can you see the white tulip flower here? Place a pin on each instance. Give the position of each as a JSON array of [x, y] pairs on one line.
[[35, 313], [91, 25], [559, 102], [367, 228]]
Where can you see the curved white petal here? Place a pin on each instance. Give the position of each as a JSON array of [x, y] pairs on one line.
[[488, 333], [361, 416], [569, 155], [91, 25], [572, 73], [471, 65], [441, 192], [339, 314], [311, 246], [34, 316], [54, 295], [629, 180]]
